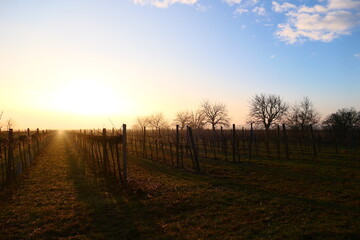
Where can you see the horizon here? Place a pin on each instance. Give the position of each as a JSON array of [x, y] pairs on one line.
[[71, 65]]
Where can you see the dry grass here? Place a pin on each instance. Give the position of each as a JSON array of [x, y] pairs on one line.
[[266, 199]]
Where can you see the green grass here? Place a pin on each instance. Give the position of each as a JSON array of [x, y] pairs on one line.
[[263, 199]]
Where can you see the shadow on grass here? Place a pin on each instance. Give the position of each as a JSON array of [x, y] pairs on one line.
[[233, 184], [319, 172], [113, 212]]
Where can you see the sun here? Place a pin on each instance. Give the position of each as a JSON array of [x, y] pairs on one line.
[[90, 97]]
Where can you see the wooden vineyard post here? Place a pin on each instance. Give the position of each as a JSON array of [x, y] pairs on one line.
[[83, 143], [223, 143], [37, 141], [213, 142], [29, 148], [196, 159], [144, 143], [20, 165], [92, 151], [10, 163], [233, 142], [243, 139], [313, 140], [125, 173], [278, 142], [286, 142], [251, 137], [106, 166], [42, 142], [2, 164], [222, 139], [177, 146], [189, 147], [85, 152]]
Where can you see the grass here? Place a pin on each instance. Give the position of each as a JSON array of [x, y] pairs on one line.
[[263, 199], [259, 200]]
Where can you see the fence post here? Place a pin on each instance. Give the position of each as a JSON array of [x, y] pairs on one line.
[[177, 146], [222, 139], [196, 159], [106, 166], [29, 148], [233, 142], [3, 165], [251, 137], [286, 142], [125, 172], [37, 141], [243, 139], [214, 142], [278, 141], [10, 174], [144, 143]]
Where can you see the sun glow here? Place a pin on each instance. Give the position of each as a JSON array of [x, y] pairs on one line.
[[90, 97]]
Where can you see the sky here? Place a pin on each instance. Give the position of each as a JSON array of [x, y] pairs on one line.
[[78, 63]]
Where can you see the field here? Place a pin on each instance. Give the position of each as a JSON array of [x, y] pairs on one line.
[[63, 196]]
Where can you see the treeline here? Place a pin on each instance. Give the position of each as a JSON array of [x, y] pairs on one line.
[[266, 111]]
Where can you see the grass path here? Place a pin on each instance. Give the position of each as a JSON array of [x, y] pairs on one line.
[[57, 201]]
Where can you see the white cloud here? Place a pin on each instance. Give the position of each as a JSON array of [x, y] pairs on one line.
[[233, 2], [241, 10], [324, 21], [260, 11], [314, 9], [164, 3], [202, 8], [357, 55], [344, 4], [320, 23], [140, 2], [273, 56], [277, 7]]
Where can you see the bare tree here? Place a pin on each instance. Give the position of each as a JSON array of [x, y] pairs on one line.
[[142, 122], [183, 118], [215, 113], [198, 119], [157, 120], [267, 109], [303, 114], [343, 120]]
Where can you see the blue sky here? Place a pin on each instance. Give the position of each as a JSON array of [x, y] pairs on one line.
[[144, 56]]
